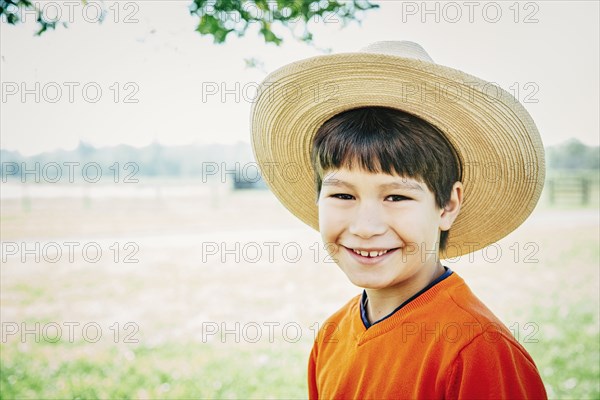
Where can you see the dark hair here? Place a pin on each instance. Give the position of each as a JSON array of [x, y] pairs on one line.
[[387, 140]]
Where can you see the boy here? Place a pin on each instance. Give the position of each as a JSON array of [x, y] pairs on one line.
[[395, 158]]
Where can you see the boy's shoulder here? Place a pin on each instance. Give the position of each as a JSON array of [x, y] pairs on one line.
[[449, 310], [446, 339]]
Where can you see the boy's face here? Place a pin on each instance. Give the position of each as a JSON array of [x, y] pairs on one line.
[[376, 213]]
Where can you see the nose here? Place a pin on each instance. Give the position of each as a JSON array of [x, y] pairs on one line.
[[368, 220]]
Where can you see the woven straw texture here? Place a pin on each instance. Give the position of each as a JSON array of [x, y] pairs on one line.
[[497, 142]]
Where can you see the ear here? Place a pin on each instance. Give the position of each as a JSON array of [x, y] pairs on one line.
[[452, 208]]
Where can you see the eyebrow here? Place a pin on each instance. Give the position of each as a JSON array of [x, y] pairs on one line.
[[391, 185]]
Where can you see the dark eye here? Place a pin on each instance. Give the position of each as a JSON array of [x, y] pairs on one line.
[[342, 196], [397, 197]]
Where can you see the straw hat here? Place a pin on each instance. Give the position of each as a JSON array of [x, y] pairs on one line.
[[496, 140]]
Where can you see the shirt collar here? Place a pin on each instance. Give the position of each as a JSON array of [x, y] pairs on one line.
[[363, 300]]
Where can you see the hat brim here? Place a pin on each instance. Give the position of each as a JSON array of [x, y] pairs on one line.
[[497, 142]]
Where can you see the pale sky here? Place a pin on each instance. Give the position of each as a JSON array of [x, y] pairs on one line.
[[162, 63]]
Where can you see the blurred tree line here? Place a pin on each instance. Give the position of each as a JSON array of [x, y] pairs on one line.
[[152, 160], [573, 155], [194, 160]]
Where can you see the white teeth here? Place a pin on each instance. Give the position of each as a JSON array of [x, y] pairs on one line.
[[373, 253]]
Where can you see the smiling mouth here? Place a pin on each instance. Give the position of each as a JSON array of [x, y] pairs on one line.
[[371, 253]]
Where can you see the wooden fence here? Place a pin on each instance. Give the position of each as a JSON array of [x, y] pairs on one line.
[[571, 190]]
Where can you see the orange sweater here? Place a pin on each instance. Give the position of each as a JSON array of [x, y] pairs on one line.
[[443, 344]]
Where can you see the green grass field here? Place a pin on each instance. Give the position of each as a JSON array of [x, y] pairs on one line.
[[172, 370], [568, 361], [550, 300]]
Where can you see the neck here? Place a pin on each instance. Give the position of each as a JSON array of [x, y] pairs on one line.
[[381, 302]]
